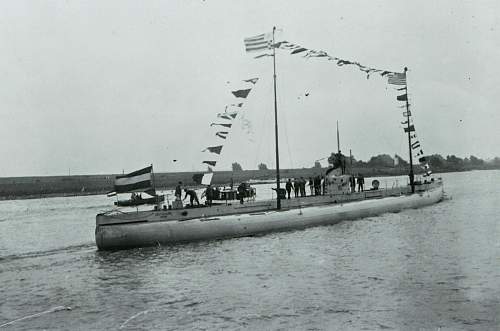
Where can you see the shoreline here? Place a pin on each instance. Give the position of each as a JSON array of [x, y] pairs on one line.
[[24, 188]]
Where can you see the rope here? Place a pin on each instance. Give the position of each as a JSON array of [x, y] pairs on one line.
[[58, 308], [132, 317]]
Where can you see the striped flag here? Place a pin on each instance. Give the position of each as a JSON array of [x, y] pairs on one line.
[[258, 43], [396, 78], [137, 181]]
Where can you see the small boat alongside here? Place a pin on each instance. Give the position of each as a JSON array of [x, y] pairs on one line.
[[138, 201]]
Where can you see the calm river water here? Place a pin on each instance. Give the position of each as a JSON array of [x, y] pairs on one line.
[[430, 268]]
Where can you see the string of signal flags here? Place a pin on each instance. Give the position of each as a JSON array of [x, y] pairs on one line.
[[262, 43], [225, 121]]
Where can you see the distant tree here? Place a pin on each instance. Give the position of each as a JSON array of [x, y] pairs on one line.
[[436, 161], [317, 165], [236, 166], [381, 160], [476, 162], [401, 163], [496, 162], [454, 163], [262, 166]]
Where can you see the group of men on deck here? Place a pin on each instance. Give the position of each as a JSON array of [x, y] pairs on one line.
[[298, 186]]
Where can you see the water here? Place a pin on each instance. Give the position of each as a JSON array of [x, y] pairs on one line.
[[430, 268]]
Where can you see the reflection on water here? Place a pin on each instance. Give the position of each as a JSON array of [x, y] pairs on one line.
[[430, 268]]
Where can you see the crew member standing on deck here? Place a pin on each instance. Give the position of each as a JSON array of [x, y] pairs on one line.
[[302, 187], [209, 194], [361, 182], [192, 197], [288, 187], [178, 191], [241, 191], [296, 186]]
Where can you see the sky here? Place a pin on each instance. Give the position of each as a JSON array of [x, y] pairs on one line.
[[97, 87]]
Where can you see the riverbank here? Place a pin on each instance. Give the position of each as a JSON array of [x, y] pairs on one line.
[[80, 185]]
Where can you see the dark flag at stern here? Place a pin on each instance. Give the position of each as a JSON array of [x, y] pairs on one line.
[[137, 181]]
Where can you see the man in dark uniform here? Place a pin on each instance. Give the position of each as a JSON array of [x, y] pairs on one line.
[[296, 186], [178, 191], [209, 194], [241, 191], [192, 197], [288, 187]]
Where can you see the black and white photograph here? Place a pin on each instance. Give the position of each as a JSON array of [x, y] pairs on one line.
[[249, 165]]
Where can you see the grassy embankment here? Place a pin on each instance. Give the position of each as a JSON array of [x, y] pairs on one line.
[[49, 186]]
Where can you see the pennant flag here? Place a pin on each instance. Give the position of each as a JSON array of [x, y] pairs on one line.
[[258, 43], [222, 134], [228, 115], [413, 136], [415, 145], [241, 93], [227, 125], [210, 163], [426, 166], [422, 159], [111, 194], [251, 80], [224, 116], [137, 181], [207, 178], [393, 76], [407, 113], [402, 97], [262, 55], [237, 104], [405, 122], [411, 129], [396, 78], [318, 54], [214, 149], [298, 50], [197, 178], [287, 45], [421, 152]]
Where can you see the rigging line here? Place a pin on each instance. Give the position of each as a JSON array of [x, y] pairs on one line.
[[58, 308], [132, 317], [263, 135]]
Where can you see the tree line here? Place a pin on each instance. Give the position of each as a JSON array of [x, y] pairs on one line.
[[436, 161]]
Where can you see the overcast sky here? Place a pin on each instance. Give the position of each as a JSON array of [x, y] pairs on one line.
[[106, 86]]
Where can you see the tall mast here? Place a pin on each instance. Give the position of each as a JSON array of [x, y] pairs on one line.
[[411, 175], [338, 139], [278, 201]]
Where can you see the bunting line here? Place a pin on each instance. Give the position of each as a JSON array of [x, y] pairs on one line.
[[393, 77], [251, 44]]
